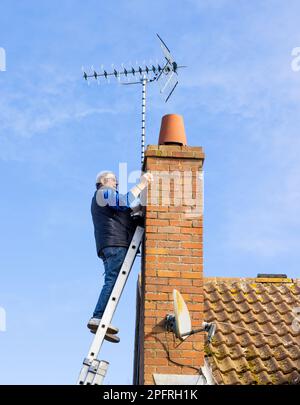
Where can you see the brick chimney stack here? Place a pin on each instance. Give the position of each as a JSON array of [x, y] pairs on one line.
[[172, 257]]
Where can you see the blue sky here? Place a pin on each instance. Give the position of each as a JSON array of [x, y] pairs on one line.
[[240, 100]]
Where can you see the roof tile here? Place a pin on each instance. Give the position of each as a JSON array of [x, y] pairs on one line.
[[255, 341]]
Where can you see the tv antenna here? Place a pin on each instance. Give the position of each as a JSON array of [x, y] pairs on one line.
[[180, 323], [166, 75]]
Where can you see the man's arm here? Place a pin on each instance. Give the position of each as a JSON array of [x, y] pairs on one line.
[[122, 202], [111, 197]]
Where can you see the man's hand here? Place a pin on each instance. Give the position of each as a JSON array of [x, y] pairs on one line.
[[144, 181], [146, 178]]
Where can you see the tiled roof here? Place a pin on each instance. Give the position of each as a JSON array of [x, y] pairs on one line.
[[258, 335]]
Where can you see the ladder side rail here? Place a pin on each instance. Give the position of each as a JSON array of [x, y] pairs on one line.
[[111, 305], [89, 379], [84, 371], [116, 293], [101, 372]]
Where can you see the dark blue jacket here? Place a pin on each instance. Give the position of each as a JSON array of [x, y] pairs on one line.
[[113, 225]]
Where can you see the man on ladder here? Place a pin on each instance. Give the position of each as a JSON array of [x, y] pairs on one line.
[[113, 229]]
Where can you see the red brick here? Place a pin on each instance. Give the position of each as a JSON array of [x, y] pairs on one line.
[[151, 272], [196, 267], [180, 252], [181, 223], [197, 231], [151, 370], [157, 222], [151, 214], [151, 229], [169, 215], [152, 243], [152, 288], [155, 266], [165, 305], [191, 245], [197, 252], [178, 236], [191, 260], [155, 208], [169, 259], [156, 362], [169, 274], [156, 251], [158, 167], [151, 345], [180, 282], [156, 297], [149, 353], [179, 209], [195, 307], [150, 305], [171, 229], [168, 244], [192, 275], [179, 267], [156, 236], [171, 369], [156, 280], [188, 354], [151, 258]]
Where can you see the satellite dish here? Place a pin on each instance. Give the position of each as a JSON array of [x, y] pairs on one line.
[[183, 322]]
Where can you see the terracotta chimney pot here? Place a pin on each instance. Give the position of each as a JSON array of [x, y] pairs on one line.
[[172, 130]]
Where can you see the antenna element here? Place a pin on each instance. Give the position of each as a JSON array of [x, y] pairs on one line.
[[166, 77]]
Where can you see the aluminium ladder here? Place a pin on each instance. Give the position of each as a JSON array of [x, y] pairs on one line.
[[93, 370]]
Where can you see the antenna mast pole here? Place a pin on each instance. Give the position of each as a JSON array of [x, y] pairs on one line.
[[144, 81]]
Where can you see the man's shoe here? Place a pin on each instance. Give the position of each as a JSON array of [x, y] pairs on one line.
[[109, 337], [95, 322]]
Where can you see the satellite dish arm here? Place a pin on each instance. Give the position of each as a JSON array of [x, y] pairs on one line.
[[210, 328], [193, 331]]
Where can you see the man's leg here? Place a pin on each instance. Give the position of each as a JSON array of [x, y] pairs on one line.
[[113, 258]]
